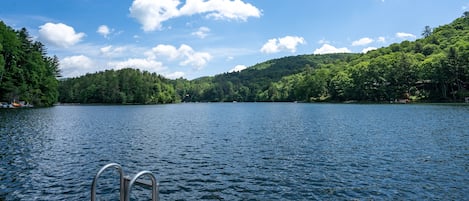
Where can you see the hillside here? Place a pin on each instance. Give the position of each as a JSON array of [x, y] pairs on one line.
[[433, 68], [26, 74], [249, 84]]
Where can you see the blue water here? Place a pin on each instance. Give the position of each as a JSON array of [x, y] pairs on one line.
[[239, 151]]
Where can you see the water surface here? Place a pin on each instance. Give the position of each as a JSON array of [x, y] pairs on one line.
[[239, 151]]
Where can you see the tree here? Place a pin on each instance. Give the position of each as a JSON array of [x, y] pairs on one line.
[[26, 72], [427, 31]]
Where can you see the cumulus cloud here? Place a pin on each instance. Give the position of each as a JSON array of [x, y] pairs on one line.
[[185, 53], [151, 13], [75, 65], [60, 35], [103, 30], [323, 41], [362, 41], [365, 50], [237, 68], [329, 49], [143, 64], [111, 51], [403, 35], [202, 32], [80, 61], [271, 46], [168, 51], [175, 75], [381, 39], [221, 9], [288, 43], [196, 59]]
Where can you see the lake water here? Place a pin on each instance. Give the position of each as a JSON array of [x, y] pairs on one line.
[[239, 151]]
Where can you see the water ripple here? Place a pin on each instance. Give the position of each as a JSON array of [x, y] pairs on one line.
[[239, 151]]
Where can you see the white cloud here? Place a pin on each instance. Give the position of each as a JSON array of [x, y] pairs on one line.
[[60, 35], [106, 49], [103, 30], [143, 64], [323, 41], [75, 65], [329, 49], [270, 47], [403, 35], [175, 75], [151, 13], [365, 50], [362, 41], [221, 9], [80, 61], [109, 51], [288, 43], [202, 32], [196, 59], [185, 53], [381, 39], [168, 51], [237, 68]]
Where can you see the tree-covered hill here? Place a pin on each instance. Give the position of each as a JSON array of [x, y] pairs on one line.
[[433, 68], [126, 86], [251, 83], [26, 73]]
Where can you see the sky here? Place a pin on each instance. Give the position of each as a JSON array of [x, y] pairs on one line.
[[196, 38]]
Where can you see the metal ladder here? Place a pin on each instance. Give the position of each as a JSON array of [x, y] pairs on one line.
[[126, 183]]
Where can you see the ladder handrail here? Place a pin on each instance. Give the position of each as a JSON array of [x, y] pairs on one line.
[[95, 180], [154, 189]]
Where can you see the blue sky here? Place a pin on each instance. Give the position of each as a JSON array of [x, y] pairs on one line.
[[195, 38]]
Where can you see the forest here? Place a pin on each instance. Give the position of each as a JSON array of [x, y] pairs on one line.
[[433, 68], [26, 72], [125, 86]]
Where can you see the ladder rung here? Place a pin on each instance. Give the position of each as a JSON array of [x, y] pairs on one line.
[[126, 183], [140, 182]]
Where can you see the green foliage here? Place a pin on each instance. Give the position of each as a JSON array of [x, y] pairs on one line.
[[25, 72], [433, 68], [262, 81], [126, 86]]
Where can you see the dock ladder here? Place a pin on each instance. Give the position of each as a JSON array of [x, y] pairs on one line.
[[127, 182]]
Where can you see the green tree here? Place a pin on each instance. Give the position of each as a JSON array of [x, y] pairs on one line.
[[427, 31]]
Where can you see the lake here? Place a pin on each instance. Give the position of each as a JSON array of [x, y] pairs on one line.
[[239, 151]]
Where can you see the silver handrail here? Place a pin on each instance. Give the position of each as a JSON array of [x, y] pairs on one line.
[[154, 189], [95, 180]]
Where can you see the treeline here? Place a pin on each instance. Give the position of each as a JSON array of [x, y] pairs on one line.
[[26, 73], [126, 86], [254, 84], [433, 68]]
